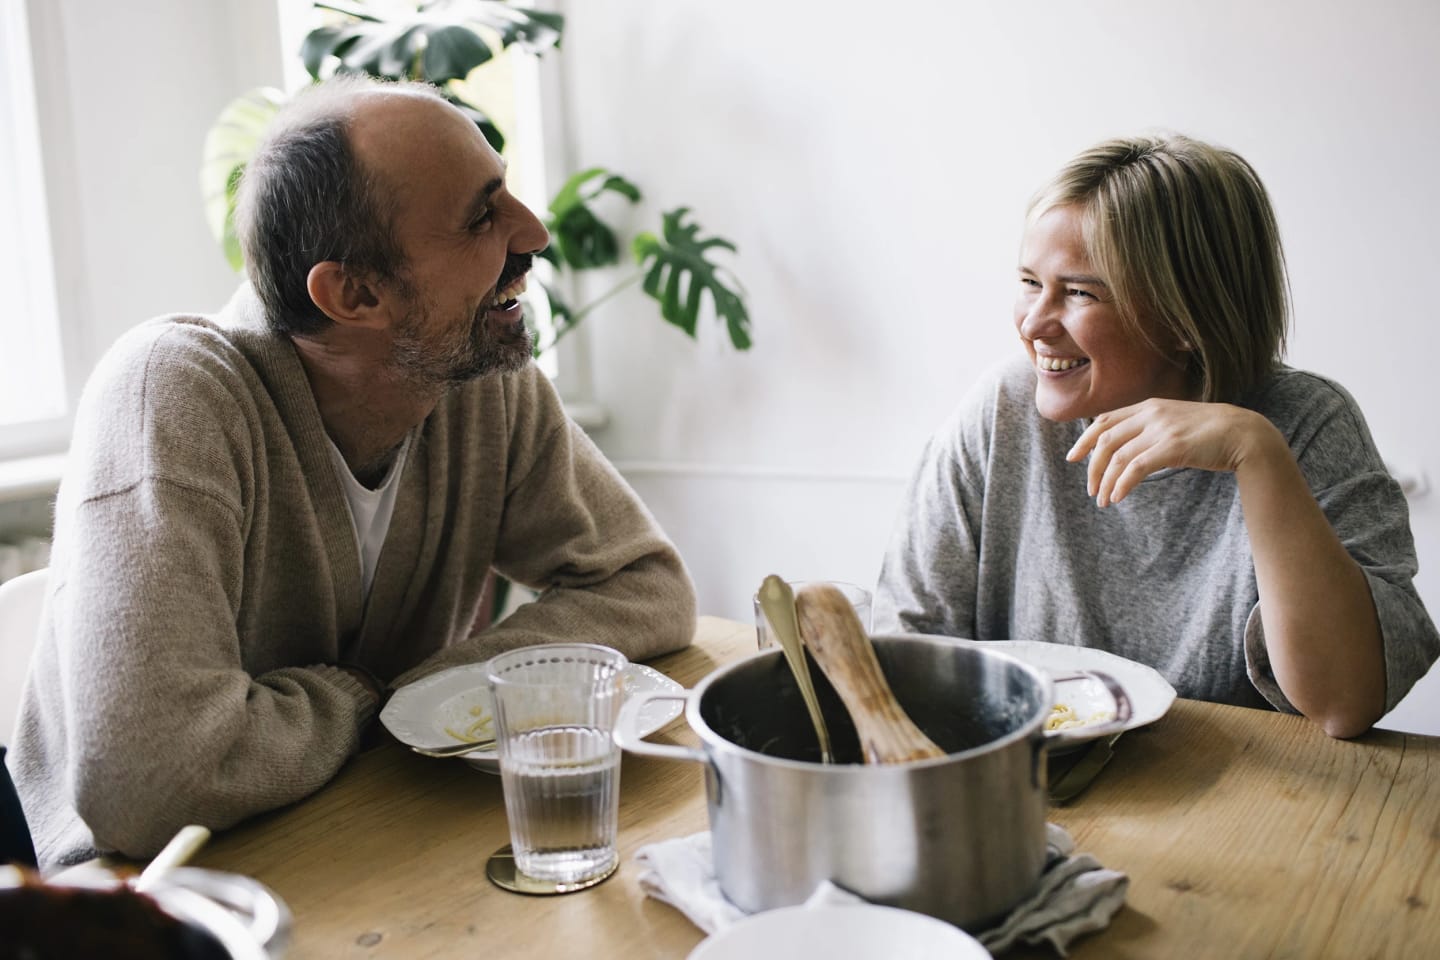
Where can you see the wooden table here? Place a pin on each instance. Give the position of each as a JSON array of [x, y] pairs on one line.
[[1245, 834]]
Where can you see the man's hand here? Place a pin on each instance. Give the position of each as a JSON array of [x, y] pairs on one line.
[[1133, 442]]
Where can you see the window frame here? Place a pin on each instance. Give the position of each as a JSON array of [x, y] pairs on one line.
[[31, 38]]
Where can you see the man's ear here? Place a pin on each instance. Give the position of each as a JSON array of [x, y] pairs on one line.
[[344, 297]]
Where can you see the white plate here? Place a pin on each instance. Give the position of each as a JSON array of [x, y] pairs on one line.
[[1150, 694], [422, 713], [859, 931]]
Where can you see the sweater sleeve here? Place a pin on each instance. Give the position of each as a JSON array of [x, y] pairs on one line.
[[162, 723], [930, 572], [1367, 510], [573, 529]]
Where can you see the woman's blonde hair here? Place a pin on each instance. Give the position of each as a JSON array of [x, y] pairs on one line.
[[1184, 235]]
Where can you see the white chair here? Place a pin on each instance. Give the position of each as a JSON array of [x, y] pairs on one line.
[[21, 600]]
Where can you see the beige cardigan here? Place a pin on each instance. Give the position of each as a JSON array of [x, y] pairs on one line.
[[205, 579]]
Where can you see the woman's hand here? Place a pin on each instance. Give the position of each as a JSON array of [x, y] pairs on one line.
[[1129, 444]]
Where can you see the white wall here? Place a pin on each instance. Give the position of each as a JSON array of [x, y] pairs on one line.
[[128, 91], [873, 168]]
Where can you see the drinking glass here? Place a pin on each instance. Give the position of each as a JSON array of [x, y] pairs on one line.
[[555, 708], [859, 598]]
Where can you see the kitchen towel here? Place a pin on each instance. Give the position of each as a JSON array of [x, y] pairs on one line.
[[1076, 894]]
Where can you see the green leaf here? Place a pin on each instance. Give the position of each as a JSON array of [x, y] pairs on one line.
[[562, 317], [487, 127], [229, 145], [381, 50], [534, 30], [452, 52], [679, 273], [584, 240], [320, 43], [351, 8], [436, 43]]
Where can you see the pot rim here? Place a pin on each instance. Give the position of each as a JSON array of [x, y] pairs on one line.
[[714, 742]]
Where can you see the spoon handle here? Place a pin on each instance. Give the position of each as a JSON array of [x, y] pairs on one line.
[[777, 601], [181, 848], [837, 639], [455, 749]]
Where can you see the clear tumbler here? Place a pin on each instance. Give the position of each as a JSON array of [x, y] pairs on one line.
[[859, 598], [555, 709]]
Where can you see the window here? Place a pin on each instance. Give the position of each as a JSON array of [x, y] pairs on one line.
[[34, 400]]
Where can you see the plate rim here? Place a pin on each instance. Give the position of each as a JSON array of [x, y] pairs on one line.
[[389, 714], [1164, 691], [711, 942]]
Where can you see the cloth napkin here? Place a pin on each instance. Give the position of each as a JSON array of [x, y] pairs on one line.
[[1076, 894]]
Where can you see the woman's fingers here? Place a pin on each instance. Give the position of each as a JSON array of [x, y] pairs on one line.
[[1098, 426], [1133, 463], [1128, 445], [1113, 435]]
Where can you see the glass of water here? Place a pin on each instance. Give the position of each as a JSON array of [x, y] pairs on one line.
[[859, 598], [555, 708]]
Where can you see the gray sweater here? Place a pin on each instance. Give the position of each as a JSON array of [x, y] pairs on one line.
[[998, 540], [205, 580]]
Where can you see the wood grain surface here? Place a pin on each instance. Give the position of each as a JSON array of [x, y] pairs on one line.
[[1245, 834]]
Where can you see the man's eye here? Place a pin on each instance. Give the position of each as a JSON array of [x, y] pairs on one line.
[[1030, 282], [482, 222], [1085, 294]]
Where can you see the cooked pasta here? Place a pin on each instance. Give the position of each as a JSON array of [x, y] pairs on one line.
[[482, 727], [1063, 717]]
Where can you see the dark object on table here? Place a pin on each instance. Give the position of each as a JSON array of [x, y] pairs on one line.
[[42, 922]]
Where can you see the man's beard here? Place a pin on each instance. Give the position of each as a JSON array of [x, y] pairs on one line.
[[473, 349]]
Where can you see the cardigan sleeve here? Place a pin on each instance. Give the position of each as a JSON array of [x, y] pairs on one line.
[[574, 530], [144, 711]]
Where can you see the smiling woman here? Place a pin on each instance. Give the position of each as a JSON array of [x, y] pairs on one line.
[[1147, 480]]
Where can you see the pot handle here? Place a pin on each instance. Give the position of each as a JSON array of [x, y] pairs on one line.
[[1123, 710], [627, 728]]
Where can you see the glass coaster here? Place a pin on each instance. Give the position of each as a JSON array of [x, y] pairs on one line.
[[502, 872]]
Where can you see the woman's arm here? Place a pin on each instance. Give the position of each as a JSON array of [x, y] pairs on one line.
[[1321, 627]]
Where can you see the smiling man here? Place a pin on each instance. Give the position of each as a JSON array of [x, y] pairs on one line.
[[275, 514]]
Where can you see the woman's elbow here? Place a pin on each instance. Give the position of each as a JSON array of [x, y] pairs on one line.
[[1340, 729], [1342, 724]]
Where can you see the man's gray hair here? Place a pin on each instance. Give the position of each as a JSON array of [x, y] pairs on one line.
[[305, 198]]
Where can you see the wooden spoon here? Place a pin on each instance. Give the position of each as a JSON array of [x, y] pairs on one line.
[[837, 639]]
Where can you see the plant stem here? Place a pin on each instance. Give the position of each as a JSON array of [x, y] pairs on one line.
[[584, 311], [348, 9]]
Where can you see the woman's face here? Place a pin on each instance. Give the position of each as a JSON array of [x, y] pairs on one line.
[[1087, 360]]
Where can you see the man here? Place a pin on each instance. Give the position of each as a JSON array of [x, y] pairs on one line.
[[274, 514]]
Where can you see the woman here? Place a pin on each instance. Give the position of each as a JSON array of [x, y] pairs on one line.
[[1244, 537]]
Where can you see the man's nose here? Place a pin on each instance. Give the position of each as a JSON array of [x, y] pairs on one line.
[[530, 235]]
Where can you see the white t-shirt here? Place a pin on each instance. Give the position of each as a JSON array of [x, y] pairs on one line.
[[370, 510]]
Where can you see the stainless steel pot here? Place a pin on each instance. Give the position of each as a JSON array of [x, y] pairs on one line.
[[961, 837]]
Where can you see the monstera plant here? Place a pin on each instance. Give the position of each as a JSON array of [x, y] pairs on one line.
[[442, 42]]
